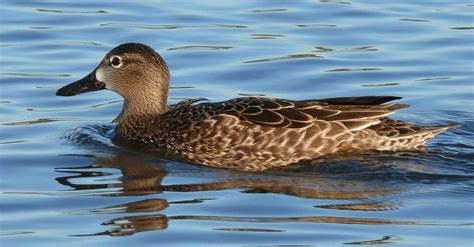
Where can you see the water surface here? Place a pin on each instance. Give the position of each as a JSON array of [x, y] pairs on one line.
[[63, 182]]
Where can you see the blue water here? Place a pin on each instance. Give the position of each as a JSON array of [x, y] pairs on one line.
[[63, 183]]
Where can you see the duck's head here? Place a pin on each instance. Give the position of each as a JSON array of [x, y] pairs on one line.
[[132, 70]]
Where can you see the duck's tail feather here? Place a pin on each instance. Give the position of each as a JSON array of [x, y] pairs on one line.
[[420, 137], [395, 135], [431, 132]]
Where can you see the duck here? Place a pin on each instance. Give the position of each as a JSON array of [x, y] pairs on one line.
[[246, 133]]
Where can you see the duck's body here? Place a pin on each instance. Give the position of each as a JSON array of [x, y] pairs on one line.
[[245, 133], [261, 133]]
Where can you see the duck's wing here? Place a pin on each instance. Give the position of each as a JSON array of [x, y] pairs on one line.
[[354, 112]]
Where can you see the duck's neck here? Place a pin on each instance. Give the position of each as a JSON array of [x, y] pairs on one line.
[[143, 104]]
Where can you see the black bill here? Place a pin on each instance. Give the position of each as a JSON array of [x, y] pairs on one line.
[[84, 85]]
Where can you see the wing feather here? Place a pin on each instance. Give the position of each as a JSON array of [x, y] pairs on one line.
[[354, 113], [358, 124]]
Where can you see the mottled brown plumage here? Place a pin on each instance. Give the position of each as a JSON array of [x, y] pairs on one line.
[[248, 133]]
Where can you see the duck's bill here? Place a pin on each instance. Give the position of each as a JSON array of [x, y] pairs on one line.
[[84, 85]]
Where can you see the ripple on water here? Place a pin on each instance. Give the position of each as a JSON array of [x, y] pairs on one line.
[[414, 20], [33, 74], [169, 26], [462, 28], [383, 240], [287, 57], [36, 121], [268, 10], [349, 70], [266, 36], [382, 84], [200, 47], [65, 11], [315, 25], [349, 49]]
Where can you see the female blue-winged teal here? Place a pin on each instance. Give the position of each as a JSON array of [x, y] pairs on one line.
[[248, 133]]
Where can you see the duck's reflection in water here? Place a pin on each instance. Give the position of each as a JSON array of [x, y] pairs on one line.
[[142, 177]]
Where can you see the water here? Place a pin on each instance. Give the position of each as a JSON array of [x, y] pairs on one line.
[[64, 183]]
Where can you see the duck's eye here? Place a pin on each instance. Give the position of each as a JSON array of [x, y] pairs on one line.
[[116, 61]]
